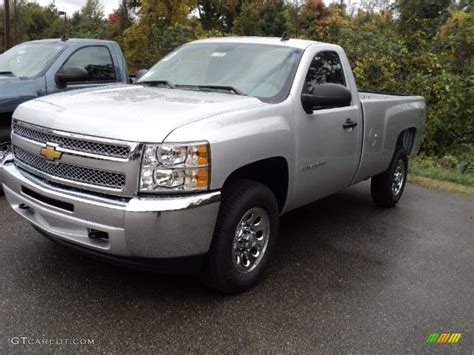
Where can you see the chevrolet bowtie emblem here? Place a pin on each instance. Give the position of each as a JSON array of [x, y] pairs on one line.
[[50, 153]]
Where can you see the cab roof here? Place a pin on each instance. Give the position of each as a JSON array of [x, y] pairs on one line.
[[295, 43], [71, 40]]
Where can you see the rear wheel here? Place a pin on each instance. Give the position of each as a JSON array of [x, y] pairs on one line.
[[246, 232], [387, 188]]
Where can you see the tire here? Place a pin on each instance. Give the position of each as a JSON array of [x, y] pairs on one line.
[[247, 225], [387, 188]]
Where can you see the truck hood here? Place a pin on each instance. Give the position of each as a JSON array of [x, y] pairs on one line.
[[129, 112]]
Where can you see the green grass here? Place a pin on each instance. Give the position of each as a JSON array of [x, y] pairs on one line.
[[445, 169], [441, 185]]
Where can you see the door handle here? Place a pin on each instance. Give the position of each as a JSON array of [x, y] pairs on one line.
[[349, 124]]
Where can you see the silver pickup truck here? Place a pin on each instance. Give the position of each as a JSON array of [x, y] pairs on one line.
[[198, 160]]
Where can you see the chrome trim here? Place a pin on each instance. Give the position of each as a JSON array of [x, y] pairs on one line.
[[251, 238], [77, 153], [67, 158], [49, 190], [175, 203], [137, 227], [6, 156], [130, 167], [398, 178], [79, 137], [63, 181]]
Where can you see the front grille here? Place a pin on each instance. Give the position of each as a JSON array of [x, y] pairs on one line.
[[71, 172], [86, 146]]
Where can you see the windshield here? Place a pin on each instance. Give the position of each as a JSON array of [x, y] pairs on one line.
[[28, 60], [263, 71]]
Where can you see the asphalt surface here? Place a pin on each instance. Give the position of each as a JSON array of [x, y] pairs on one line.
[[346, 277]]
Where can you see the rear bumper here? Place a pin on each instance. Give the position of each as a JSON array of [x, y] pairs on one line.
[[165, 227]]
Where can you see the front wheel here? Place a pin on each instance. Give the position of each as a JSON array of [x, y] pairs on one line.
[[245, 234], [387, 188]]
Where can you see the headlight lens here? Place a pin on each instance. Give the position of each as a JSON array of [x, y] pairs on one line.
[[170, 155], [175, 167]]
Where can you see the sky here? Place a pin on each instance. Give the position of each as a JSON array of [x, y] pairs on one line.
[[72, 5]]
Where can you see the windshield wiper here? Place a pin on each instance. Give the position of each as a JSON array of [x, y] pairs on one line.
[[6, 73], [230, 89], [158, 82]]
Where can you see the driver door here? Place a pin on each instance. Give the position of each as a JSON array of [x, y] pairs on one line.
[[327, 151]]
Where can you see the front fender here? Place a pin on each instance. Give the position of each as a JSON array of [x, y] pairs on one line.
[[9, 104], [241, 138]]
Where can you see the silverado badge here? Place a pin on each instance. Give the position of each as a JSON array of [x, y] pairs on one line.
[[50, 153]]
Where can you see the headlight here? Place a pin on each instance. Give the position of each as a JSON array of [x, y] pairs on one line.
[[175, 167]]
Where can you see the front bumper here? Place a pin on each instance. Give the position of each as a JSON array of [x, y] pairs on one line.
[[161, 227], [5, 157]]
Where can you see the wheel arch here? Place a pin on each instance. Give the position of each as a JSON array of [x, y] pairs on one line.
[[272, 172], [5, 126], [406, 139]]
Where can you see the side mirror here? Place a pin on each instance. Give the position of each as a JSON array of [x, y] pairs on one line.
[[140, 74], [326, 96], [70, 75]]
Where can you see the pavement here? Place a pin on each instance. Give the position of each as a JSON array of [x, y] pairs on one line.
[[346, 277]]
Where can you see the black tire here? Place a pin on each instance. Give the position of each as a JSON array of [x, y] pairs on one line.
[[384, 194], [239, 198]]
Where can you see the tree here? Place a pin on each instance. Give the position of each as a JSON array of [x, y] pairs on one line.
[[463, 5], [164, 13], [313, 20], [261, 18], [375, 5], [173, 37], [119, 20], [455, 39], [421, 19], [89, 21], [292, 18], [37, 22], [218, 14]]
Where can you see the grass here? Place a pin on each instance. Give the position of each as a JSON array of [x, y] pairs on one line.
[[443, 174], [441, 185]]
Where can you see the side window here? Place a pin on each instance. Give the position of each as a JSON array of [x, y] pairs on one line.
[[325, 68], [96, 60]]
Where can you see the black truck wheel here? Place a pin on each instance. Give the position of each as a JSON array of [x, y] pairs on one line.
[[387, 188], [245, 234]]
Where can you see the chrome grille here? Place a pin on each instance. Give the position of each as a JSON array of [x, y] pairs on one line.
[[98, 148], [71, 172]]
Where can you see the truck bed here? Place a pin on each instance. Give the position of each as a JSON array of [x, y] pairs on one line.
[[369, 96], [385, 116]]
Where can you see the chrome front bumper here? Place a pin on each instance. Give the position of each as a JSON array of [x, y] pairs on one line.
[[164, 227], [5, 157]]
